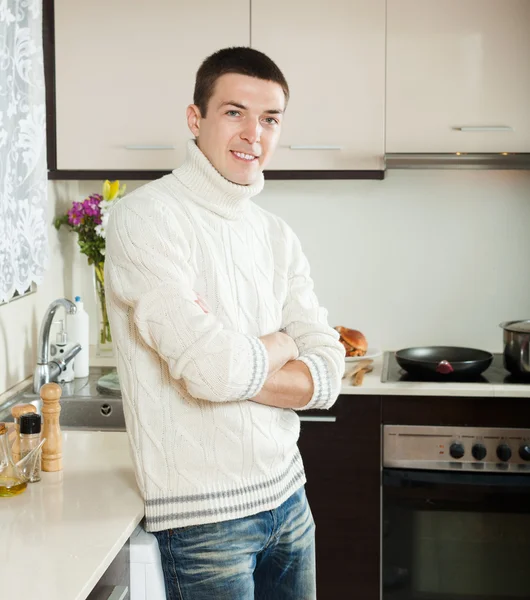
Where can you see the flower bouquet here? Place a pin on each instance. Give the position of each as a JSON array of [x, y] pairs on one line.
[[89, 220]]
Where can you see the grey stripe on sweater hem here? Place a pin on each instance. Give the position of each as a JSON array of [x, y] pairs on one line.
[[227, 493], [224, 510]]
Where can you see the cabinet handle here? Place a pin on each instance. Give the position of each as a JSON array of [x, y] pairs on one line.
[[147, 147], [319, 419], [317, 147], [485, 128], [119, 593]]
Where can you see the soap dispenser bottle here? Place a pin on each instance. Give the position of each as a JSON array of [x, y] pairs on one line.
[[78, 332], [61, 348]]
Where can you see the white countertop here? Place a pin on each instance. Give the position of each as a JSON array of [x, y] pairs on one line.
[[372, 384], [59, 536]]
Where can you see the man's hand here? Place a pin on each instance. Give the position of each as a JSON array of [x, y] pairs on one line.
[[291, 387], [281, 349]]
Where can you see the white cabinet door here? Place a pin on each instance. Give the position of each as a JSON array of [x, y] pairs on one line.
[[458, 76], [332, 55], [125, 73]]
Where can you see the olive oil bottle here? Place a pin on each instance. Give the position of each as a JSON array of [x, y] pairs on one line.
[[12, 482]]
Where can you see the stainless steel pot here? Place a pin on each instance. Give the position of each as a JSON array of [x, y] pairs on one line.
[[517, 346]]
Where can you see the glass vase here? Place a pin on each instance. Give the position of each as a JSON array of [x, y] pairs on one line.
[[104, 347]]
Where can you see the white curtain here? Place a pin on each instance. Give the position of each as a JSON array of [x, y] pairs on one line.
[[23, 181]]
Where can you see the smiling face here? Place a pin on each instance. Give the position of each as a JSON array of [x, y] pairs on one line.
[[242, 126]]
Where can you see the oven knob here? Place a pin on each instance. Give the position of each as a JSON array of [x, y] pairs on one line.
[[524, 452], [456, 450], [479, 451], [504, 452]]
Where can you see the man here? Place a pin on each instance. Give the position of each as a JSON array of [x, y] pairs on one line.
[[220, 339]]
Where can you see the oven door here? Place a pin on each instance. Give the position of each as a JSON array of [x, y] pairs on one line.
[[455, 536]]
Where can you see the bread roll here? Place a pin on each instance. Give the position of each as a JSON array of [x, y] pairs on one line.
[[353, 340]]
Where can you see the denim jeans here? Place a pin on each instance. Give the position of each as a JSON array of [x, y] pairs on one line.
[[267, 556]]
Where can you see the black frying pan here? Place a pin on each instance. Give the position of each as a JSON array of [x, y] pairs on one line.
[[444, 361]]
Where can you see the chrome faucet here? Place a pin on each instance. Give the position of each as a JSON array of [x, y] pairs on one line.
[[47, 371]]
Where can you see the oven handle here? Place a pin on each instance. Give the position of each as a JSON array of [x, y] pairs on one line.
[[417, 478]]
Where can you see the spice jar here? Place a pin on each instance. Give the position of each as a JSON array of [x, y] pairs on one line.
[[16, 412], [30, 426]]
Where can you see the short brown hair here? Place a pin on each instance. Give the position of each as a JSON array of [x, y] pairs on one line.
[[240, 60]]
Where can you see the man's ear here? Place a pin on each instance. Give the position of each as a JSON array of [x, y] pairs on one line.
[[193, 115]]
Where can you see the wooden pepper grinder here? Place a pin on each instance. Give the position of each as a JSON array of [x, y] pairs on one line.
[[52, 451], [16, 412]]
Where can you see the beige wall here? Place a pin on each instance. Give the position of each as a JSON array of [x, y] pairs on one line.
[[423, 257]]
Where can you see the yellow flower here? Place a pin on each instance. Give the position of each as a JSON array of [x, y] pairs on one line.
[[111, 190]]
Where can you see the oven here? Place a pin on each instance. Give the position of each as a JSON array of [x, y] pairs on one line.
[[456, 513]]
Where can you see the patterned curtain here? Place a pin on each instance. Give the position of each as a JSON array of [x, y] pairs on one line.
[[23, 181]]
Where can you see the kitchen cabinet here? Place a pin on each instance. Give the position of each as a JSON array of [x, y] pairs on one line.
[[125, 73], [458, 78], [464, 411], [116, 107], [115, 582], [341, 451], [434, 504], [333, 56]]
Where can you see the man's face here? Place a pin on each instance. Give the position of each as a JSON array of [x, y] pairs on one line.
[[242, 126]]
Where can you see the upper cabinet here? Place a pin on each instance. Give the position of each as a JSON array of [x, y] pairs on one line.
[[458, 76], [125, 73], [120, 75], [332, 55]]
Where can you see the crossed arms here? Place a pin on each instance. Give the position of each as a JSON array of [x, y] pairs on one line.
[[148, 271]]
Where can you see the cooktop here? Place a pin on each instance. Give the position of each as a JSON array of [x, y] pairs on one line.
[[494, 374]]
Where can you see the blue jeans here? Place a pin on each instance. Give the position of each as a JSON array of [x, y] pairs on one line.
[[267, 556]]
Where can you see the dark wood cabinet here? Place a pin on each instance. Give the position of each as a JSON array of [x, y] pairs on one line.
[[342, 453], [465, 411], [342, 459]]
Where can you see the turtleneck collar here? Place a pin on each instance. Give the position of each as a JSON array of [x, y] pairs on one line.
[[210, 189]]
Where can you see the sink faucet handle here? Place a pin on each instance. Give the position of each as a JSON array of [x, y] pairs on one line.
[[41, 374], [58, 365], [52, 451]]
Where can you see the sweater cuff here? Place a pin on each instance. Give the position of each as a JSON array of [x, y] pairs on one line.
[[322, 396], [259, 368]]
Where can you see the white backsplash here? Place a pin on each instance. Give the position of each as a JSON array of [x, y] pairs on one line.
[[422, 257]]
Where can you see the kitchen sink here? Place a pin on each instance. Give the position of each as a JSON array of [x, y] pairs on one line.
[[84, 404]]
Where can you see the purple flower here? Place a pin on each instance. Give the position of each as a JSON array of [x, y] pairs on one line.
[[75, 214], [88, 208]]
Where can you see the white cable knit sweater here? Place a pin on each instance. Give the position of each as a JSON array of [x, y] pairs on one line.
[[195, 274]]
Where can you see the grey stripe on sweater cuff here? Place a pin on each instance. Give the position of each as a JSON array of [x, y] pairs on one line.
[[259, 368], [321, 381]]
